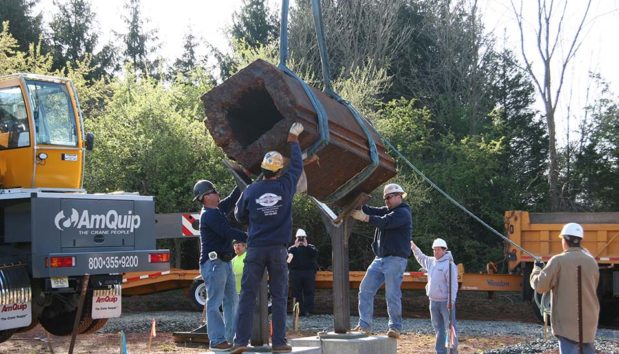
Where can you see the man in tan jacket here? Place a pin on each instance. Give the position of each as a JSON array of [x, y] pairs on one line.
[[560, 277]]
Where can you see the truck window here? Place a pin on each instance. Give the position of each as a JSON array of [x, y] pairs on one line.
[[14, 126], [54, 119]]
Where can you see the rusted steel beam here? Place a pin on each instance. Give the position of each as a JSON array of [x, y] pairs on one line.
[[250, 113]]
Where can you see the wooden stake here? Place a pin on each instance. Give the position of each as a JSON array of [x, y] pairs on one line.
[[78, 313], [580, 324]]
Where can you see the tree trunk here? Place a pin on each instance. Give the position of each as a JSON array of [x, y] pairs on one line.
[[553, 165]]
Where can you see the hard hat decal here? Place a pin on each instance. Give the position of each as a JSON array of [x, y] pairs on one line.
[[273, 161]]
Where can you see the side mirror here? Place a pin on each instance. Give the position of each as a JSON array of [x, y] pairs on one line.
[[90, 141]]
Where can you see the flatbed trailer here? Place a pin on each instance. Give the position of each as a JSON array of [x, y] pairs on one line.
[[142, 283]]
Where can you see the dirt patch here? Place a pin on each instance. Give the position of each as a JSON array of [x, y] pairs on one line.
[[470, 305], [36, 341]]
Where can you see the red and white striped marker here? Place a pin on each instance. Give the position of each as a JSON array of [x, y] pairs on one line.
[[188, 222], [145, 276]]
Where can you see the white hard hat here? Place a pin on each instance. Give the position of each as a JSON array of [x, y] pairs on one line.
[[273, 161], [572, 229], [301, 233], [439, 242], [393, 188]]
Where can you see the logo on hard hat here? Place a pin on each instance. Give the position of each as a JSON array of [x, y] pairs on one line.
[[268, 199], [273, 161]]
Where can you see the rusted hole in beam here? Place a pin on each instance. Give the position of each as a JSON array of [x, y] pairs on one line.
[[252, 115]]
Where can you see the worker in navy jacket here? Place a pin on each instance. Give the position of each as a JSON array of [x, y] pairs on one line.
[[303, 265], [391, 245], [266, 205], [216, 251]]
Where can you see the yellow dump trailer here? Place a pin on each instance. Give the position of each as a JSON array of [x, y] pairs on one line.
[[538, 233]]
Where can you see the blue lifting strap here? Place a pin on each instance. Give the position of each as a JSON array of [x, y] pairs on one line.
[[357, 179], [323, 120]]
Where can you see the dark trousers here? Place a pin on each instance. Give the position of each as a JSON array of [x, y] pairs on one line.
[[303, 286], [257, 259]]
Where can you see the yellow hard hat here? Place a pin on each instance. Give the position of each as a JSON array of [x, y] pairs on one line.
[[273, 161]]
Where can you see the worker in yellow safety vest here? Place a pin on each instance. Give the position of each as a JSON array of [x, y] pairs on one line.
[[238, 262]]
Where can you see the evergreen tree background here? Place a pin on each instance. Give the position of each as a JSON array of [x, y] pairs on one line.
[[427, 74]]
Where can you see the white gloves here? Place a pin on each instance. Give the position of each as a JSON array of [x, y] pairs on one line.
[[296, 128], [359, 215]]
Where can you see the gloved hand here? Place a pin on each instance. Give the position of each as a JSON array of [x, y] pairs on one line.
[[539, 264], [296, 128], [359, 215]]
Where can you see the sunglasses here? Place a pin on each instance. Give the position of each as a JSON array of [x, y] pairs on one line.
[[389, 196], [207, 193]]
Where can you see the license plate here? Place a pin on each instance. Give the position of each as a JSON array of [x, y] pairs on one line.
[[59, 282]]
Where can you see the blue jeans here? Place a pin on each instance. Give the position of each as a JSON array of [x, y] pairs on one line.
[[440, 321], [220, 288], [272, 258], [567, 346], [388, 271]]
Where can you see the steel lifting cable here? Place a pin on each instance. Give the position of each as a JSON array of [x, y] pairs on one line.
[[323, 120], [358, 178], [455, 202]]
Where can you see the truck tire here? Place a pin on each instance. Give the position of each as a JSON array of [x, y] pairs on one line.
[[96, 325], [62, 324], [58, 317], [197, 293], [527, 291]]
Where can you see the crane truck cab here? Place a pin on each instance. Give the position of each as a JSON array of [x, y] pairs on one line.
[[53, 233]]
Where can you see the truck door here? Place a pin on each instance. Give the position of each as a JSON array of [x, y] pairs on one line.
[[58, 153], [16, 147]]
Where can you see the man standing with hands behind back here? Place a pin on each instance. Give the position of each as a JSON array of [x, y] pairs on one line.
[[394, 225], [267, 206], [303, 272]]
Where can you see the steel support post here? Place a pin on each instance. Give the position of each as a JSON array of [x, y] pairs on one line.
[[341, 290]]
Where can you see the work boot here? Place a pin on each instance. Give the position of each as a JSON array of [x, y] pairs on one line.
[[361, 329], [221, 347], [284, 348], [393, 333], [238, 349]]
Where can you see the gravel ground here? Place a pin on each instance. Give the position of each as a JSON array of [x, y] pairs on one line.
[[170, 321]]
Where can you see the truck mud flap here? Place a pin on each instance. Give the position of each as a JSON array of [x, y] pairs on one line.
[[15, 298]]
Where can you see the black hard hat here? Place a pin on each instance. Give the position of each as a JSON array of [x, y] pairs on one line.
[[201, 188]]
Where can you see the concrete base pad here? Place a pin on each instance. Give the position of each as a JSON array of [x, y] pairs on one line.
[[296, 349], [360, 345]]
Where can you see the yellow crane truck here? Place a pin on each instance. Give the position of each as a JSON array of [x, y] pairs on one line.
[[538, 233], [59, 246]]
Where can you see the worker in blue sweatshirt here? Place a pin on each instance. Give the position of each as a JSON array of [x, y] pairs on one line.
[[394, 225], [266, 205], [216, 251]]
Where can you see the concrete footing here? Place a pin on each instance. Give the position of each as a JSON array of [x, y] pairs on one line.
[[264, 350], [333, 344]]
